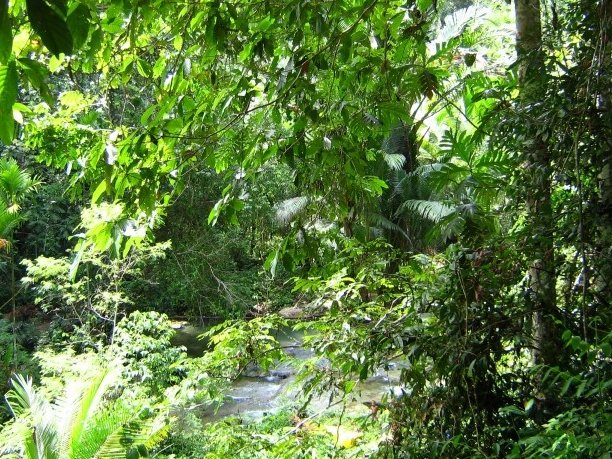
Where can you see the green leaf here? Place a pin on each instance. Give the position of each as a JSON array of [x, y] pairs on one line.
[[178, 42], [423, 5], [144, 119], [211, 40], [271, 262], [37, 74], [144, 68], [78, 23], [58, 5], [6, 36], [8, 94], [51, 27], [101, 188], [74, 266], [264, 24]]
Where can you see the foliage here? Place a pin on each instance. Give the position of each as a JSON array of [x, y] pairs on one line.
[[142, 341], [17, 344], [441, 203], [88, 308], [282, 435], [76, 425], [213, 271], [234, 347], [15, 184], [51, 222]]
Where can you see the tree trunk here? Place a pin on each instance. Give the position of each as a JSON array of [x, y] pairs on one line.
[[542, 277]]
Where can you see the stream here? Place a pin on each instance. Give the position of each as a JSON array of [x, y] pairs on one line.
[[254, 395]]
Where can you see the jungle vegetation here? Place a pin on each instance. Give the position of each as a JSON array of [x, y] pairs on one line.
[[418, 186]]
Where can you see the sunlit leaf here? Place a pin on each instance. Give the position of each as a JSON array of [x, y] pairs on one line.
[[8, 94]]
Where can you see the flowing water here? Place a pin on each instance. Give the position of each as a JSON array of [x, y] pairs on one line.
[[255, 394]]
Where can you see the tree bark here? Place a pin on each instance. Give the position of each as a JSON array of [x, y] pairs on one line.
[[540, 248]]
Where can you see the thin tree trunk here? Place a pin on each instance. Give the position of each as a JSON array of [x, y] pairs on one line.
[[538, 200]]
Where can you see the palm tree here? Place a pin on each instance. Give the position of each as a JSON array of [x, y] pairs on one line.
[[15, 184], [428, 204], [82, 424]]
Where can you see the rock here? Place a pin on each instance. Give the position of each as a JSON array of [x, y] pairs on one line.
[[253, 371], [237, 399], [178, 324], [292, 312], [299, 311], [281, 374]]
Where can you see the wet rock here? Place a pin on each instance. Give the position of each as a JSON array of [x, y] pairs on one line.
[[237, 399], [281, 373], [254, 371], [178, 324]]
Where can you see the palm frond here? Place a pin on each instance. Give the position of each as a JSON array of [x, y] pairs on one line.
[[403, 141], [78, 405], [456, 22], [395, 161], [120, 429], [447, 227], [23, 397], [414, 185], [15, 183], [288, 209], [430, 210], [8, 222], [76, 427], [23, 400], [379, 221]]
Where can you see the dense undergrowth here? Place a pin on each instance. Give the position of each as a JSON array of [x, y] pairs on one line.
[[392, 180]]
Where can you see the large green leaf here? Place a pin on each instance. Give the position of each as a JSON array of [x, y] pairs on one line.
[[51, 27], [6, 36], [8, 94], [78, 23]]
